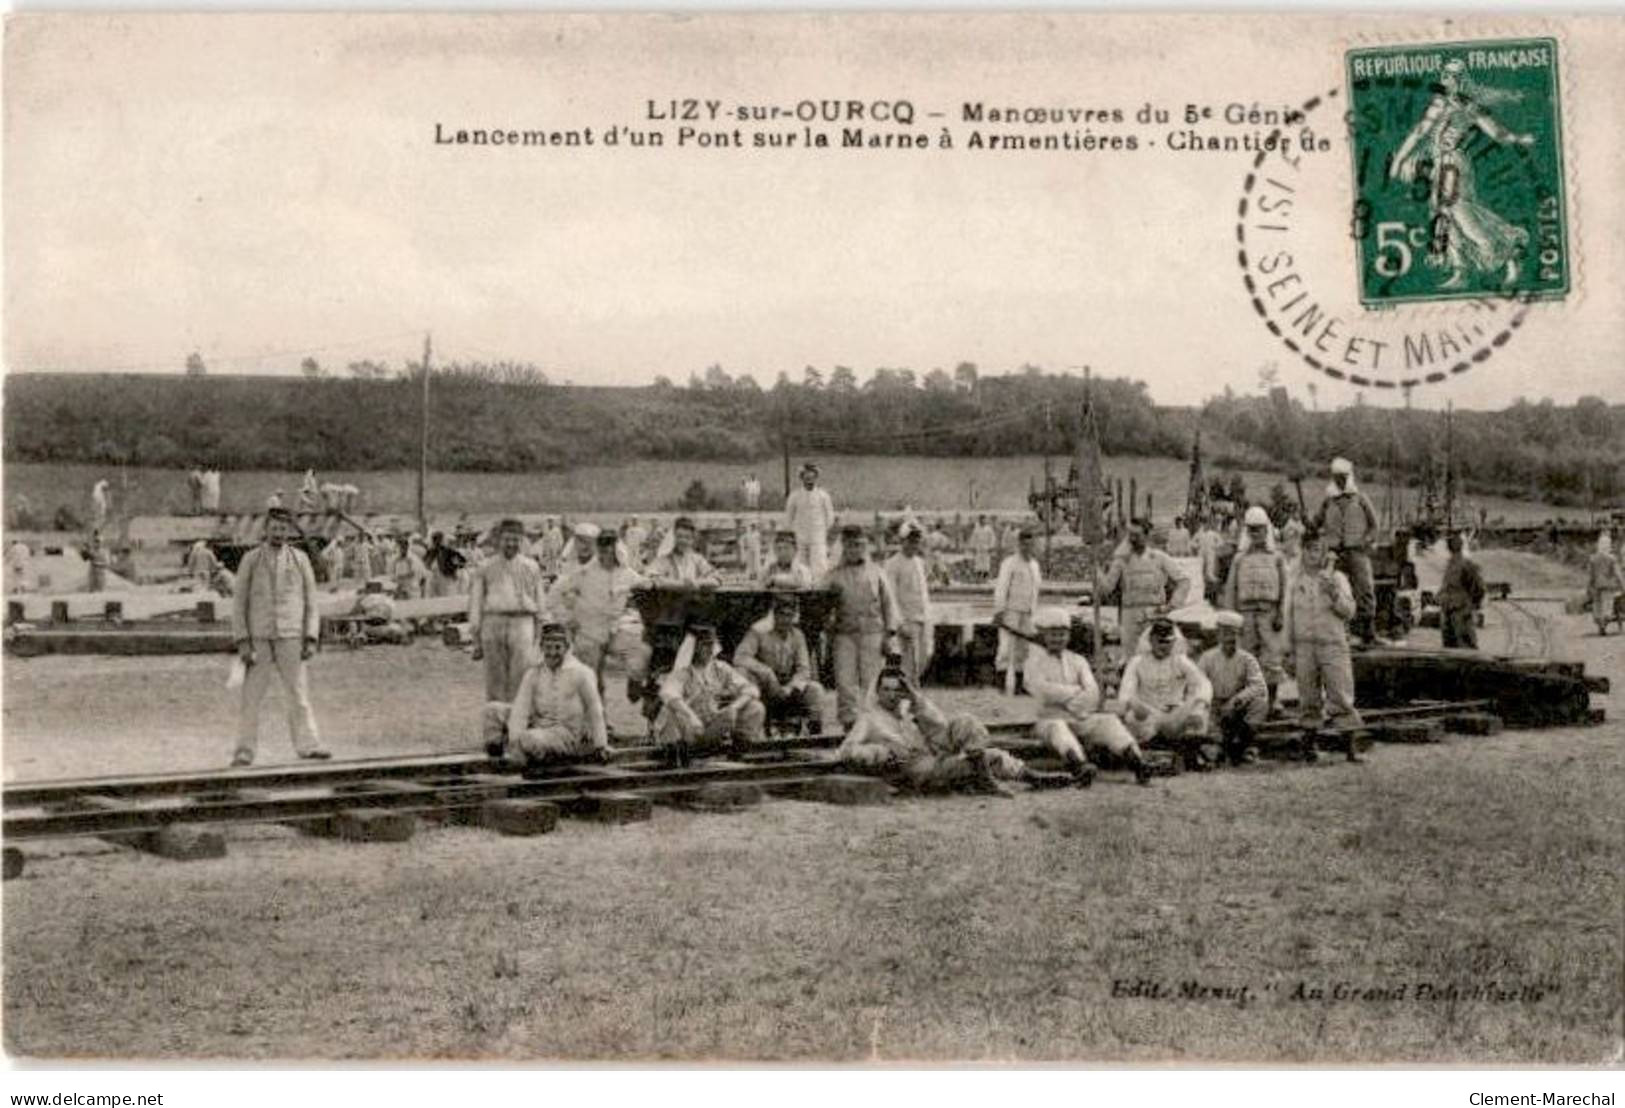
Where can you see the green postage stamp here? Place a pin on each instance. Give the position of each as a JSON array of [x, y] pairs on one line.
[[1458, 171]]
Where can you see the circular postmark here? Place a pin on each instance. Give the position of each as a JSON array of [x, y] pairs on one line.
[[1414, 254]]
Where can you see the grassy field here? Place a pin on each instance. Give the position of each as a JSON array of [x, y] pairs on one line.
[[964, 928], [855, 482]]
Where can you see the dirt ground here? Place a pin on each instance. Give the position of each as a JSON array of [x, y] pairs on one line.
[[1454, 903]]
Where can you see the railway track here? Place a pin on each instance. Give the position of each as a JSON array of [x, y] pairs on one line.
[[134, 808]]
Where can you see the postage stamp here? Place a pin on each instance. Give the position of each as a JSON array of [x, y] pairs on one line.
[[1458, 171]]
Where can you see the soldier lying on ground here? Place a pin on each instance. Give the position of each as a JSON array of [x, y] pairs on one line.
[[903, 736]]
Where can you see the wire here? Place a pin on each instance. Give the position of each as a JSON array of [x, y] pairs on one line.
[[217, 358]]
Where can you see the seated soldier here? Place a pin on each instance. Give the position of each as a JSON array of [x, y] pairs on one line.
[[1241, 696], [786, 571], [901, 735], [776, 658], [1166, 697], [1069, 707], [705, 702], [556, 714]]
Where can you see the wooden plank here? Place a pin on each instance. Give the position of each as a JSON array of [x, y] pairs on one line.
[[611, 807], [14, 863], [515, 817]]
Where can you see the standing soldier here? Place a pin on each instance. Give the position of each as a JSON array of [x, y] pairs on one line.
[[750, 547], [1319, 605], [916, 630], [100, 504], [502, 612], [682, 564], [810, 513], [593, 604], [1143, 576], [1241, 699], [1256, 589], [865, 617], [96, 555], [1604, 581], [636, 537], [983, 542], [786, 571], [407, 574], [275, 624], [1461, 595], [201, 564], [1015, 600], [1348, 524]]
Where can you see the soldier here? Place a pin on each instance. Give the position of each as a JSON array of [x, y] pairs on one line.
[[705, 701], [1070, 720], [1348, 524], [777, 659], [593, 603], [1461, 595], [1166, 697], [1015, 599], [682, 564], [1604, 581], [275, 624], [1143, 575], [1319, 605], [1256, 589], [810, 513], [916, 629], [865, 618], [902, 735], [786, 571], [502, 610], [1241, 698], [983, 541], [556, 712]]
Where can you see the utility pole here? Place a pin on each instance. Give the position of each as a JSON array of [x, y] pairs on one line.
[[423, 438]]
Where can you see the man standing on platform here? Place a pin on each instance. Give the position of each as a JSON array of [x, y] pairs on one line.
[[865, 618], [1461, 596], [1241, 699], [1256, 589], [1143, 576], [810, 513], [502, 612], [1015, 601], [276, 625], [916, 629], [1348, 524]]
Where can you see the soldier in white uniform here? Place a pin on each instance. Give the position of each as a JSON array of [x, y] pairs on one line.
[[682, 564], [556, 713], [1015, 599], [593, 603], [276, 625], [1241, 699], [810, 513], [786, 571], [1319, 605], [502, 611], [916, 628], [1165, 696], [705, 702], [1070, 716], [1256, 590]]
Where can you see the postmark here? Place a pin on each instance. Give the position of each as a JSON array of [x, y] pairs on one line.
[[1458, 171]]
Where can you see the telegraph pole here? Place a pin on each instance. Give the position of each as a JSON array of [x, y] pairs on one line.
[[423, 437]]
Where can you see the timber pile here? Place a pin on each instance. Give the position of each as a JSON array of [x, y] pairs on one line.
[[1523, 692]]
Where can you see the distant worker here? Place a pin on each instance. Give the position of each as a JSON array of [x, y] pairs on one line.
[[906, 573], [502, 613], [1256, 589], [750, 547], [96, 555], [201, 564], [445, 563], [776, 658], [983, 541], [1070, 719], [310, 493], [1015, 600], [1347, 523], [865, 618], [100, 504], [751, 492], [333, 559], [1319, 605], [211, 490], [19, 567], [194, 486], [1605, 582], [1241, 698], [1179, 539], [276, 625], [635, 536], [1291, 536], [682, 564], [1207, 542], [705, 702], [786, 571], [556, 713], [1165, 696], [903, 736], [1148, 582], [1461, 596], [408, 575], [810, 513]]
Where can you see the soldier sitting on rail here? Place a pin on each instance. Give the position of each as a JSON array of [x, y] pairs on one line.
[[557, 713], [1241, 695], [903, 736], [777, 659], [1069, 709], [1165, 697], [705, 702]]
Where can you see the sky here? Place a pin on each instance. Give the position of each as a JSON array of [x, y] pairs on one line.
[[260, 188]]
